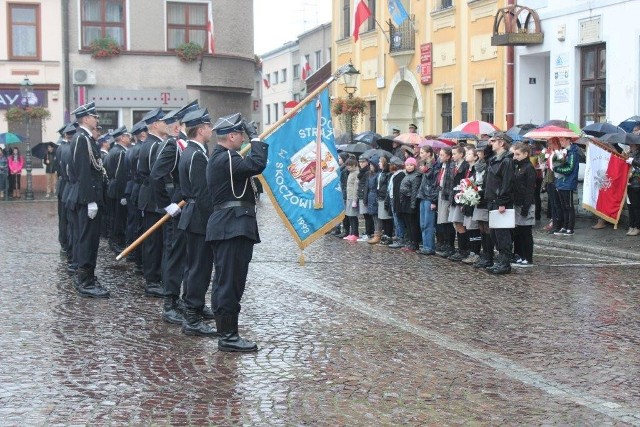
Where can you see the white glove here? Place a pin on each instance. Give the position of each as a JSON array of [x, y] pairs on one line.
[[173, 209], [629, 160], [92, 210], [123, 201]]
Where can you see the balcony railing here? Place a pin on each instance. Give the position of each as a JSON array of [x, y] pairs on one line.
[[403, 37]]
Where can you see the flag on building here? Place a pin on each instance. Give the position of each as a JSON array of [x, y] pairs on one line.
[[397, 11], [305, 68], [302, 176], [605, 182], [265, 81], [212, 41], [362, 13]]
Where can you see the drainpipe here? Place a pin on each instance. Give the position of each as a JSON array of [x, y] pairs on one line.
[[510, 78], [65, 55]]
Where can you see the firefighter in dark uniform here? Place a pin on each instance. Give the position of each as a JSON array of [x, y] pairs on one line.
[[232, 228], [134, 215], [62, 156], [115, 163], [86, 165], [104, 144], [152, 246], [165, 184], [193, 221]]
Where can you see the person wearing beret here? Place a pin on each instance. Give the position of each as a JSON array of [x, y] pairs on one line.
[[193, 222], [152, 249], [165, 184], [232, 228], [115, 163], [87, 201], [134, 215]]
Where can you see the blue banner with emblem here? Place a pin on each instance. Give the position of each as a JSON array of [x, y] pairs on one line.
[[302, 176]]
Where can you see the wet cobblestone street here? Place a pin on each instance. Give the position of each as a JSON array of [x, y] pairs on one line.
[[361, 335]]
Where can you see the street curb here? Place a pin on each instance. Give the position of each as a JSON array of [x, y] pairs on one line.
[[589, 249]]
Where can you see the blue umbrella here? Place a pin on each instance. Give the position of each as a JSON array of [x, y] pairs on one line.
[[516, 132], [11, 138], [458, 135], [630, 123], [599, 129], [368, 137]]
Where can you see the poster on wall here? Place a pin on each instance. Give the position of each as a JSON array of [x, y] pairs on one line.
[[561, 78]]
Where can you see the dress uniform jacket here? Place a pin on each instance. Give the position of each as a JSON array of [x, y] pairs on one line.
[[226, 223], [115, 163], [147, 158], [193, 184], [86, 165], [62, 155], [133, 185], [164, 177]]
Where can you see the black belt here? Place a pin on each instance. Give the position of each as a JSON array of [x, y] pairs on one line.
[[234, 204]]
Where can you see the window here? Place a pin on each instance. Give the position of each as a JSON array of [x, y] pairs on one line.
[[268, 114], [443, 4], [446, 111], [296, 72], [486, 110], [109, 120], [346, 18], [24, 31], [296, 97], [275, 112], [318, 59], [283, 73], [186, 22], [372, 115], [268, 78], [371, 22], [136, 115], [593, 80], [275, 78], [102, 18], [283, 109]]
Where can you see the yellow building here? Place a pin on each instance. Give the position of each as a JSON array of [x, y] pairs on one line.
[[446, 40]]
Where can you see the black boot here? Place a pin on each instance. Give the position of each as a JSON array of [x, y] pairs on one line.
[[171, 313], [193, 324], [154, 289], [88, 285], [503, 266], [229, 339], [207, 313], [459, 255]]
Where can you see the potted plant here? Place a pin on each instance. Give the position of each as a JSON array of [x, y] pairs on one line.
[[349, 110], [104, 47], [189, 52], [19, 115]]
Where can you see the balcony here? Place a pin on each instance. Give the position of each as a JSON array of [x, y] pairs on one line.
[[402, 44]]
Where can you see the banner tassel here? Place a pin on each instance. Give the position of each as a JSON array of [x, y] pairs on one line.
[[301, 258]]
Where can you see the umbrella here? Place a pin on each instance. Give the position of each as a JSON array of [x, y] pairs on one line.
[[433, 143], [40, 149], [516, 132], [476, 127], [599, 129], [358, 148], [408, 149], [342, 139], [409, 138], [376, 152], [563, 124], [630, 123], [546, 132], [457, 135], [368, 137], [621, 138], [386, 142], [11, 138]]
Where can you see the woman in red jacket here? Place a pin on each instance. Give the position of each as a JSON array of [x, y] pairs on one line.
[[16, 163]]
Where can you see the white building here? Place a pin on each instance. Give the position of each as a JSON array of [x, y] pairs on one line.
[[277, 88], [587, 68]]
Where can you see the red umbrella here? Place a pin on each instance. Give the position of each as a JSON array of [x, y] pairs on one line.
[[476, 127], [547, 132], [409, 138]]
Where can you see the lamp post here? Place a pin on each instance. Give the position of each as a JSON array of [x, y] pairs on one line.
[[350, 80], [26, 89]]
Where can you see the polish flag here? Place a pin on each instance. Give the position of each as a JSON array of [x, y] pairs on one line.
[[605, 182], [265, 81], [362, 13], [305, 68], [212, 41]]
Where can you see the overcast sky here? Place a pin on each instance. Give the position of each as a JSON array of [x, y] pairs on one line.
[[279, 21]]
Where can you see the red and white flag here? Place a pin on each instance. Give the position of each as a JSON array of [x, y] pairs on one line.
[[305, 68], [605, 182], [212, 41], [362, 13], [265, 81]]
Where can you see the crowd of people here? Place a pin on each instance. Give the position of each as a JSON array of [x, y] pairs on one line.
[[472, 203], [162, 170]]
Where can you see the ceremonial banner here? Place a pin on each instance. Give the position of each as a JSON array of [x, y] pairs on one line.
[[604, 188], [302, 174]]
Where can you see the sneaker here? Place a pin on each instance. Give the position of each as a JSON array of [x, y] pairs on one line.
[[525, 264], [568, 233], [363, 238], [548, 227], [352, 238], [471, 259], [560, 232], [348, 237]]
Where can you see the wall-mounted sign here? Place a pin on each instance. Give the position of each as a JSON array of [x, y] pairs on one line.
[[426, 72], [13, 98], [165, 98]]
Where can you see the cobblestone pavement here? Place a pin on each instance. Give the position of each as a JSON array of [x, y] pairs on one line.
[[361, 335]]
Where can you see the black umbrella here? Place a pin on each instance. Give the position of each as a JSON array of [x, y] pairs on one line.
[[376, 152], [40, 149], [516, 132], [386, 143], [358, 148], [630, 123], [621, 138], [342, 139], [599, 129], [368, 137]]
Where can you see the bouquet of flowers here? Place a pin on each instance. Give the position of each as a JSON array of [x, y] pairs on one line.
[[468, 193]]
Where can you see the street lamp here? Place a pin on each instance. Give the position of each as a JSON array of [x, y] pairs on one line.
[[26, 90], [350, 80]]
